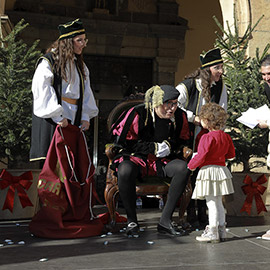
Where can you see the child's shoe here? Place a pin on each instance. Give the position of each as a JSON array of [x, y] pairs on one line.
[[210, 234], [266, 236], [222, 232]]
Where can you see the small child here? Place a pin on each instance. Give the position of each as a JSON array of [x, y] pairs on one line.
[[214, 179]]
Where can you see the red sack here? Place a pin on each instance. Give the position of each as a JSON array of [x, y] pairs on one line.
[[66, 189]]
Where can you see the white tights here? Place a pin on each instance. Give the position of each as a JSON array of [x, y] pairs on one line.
[[216, 212]]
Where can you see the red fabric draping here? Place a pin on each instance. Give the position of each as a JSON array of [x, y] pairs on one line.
[[254, 190], [19, 183]]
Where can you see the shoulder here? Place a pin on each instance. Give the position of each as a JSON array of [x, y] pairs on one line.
[[48, 59], [188, 82]]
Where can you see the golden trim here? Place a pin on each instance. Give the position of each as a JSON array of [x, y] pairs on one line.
[[212, 62], [82, 31]]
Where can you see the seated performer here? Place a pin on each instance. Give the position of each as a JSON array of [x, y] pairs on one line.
[[150, 137]]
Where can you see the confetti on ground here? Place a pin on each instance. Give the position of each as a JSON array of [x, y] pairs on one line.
[[150, 242], [106, 243], [21, 243], [103, 235], [43, 260]]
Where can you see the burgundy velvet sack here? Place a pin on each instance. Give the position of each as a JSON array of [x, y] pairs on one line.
[[66, 189]]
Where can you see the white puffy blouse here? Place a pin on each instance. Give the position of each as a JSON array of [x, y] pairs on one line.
[[45, 103]]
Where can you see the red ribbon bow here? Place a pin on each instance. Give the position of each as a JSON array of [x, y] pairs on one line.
[[254, 189], [21, 183]]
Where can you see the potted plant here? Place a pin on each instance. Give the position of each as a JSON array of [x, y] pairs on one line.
[[245, 90], [17, 63]]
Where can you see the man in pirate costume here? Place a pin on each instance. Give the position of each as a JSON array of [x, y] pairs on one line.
[[150, 137], [198, 88], [61, 89]]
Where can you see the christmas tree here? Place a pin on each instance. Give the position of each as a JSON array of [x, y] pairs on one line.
[[17, 63], [245, 89]]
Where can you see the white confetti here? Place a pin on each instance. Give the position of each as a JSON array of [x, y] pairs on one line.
[[43, 260], [21, 243], [8, 240], [106, 243], [10, 243], [103, 235], [109, 233], [150, 242]]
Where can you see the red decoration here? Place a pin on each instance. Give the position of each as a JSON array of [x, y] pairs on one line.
[[19, 183], [254, 189]]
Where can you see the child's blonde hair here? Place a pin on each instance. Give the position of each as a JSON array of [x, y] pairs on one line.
[[214, 114]]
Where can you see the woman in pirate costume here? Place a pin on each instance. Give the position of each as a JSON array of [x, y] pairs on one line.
[[61, 89], [204, 85], [150, 137]]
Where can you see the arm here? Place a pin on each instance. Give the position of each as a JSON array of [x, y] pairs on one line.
[[203, 149], [45, 103], [223, 98], [89, 109], [231, 150], [183, 100]]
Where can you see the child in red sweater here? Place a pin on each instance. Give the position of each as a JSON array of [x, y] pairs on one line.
[[214, 179]]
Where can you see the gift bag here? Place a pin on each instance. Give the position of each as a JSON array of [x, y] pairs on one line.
[[66, 189]]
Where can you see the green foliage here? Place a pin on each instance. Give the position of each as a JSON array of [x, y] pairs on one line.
[[245, 89], [17, 63]]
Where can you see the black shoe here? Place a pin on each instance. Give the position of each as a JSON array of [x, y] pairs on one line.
[[132, 229], [171, 230]]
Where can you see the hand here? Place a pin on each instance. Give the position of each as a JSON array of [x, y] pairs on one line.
[[163, 149], [84, 125], [262, 124], [63, 123], [197, 121], [191, 169]]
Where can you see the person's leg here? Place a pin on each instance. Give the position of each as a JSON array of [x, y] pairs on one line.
[[127, 174], [221, 219], [211, 202], [202, 215], [211, 231], [191, 209], [177, 170]]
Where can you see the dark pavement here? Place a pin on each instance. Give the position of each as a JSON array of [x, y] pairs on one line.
[[243, 250]]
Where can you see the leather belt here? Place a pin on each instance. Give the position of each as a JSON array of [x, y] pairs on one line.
[[70, 100]]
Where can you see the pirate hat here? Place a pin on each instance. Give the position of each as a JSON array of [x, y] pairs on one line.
[[211, 58], [71, 29]]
